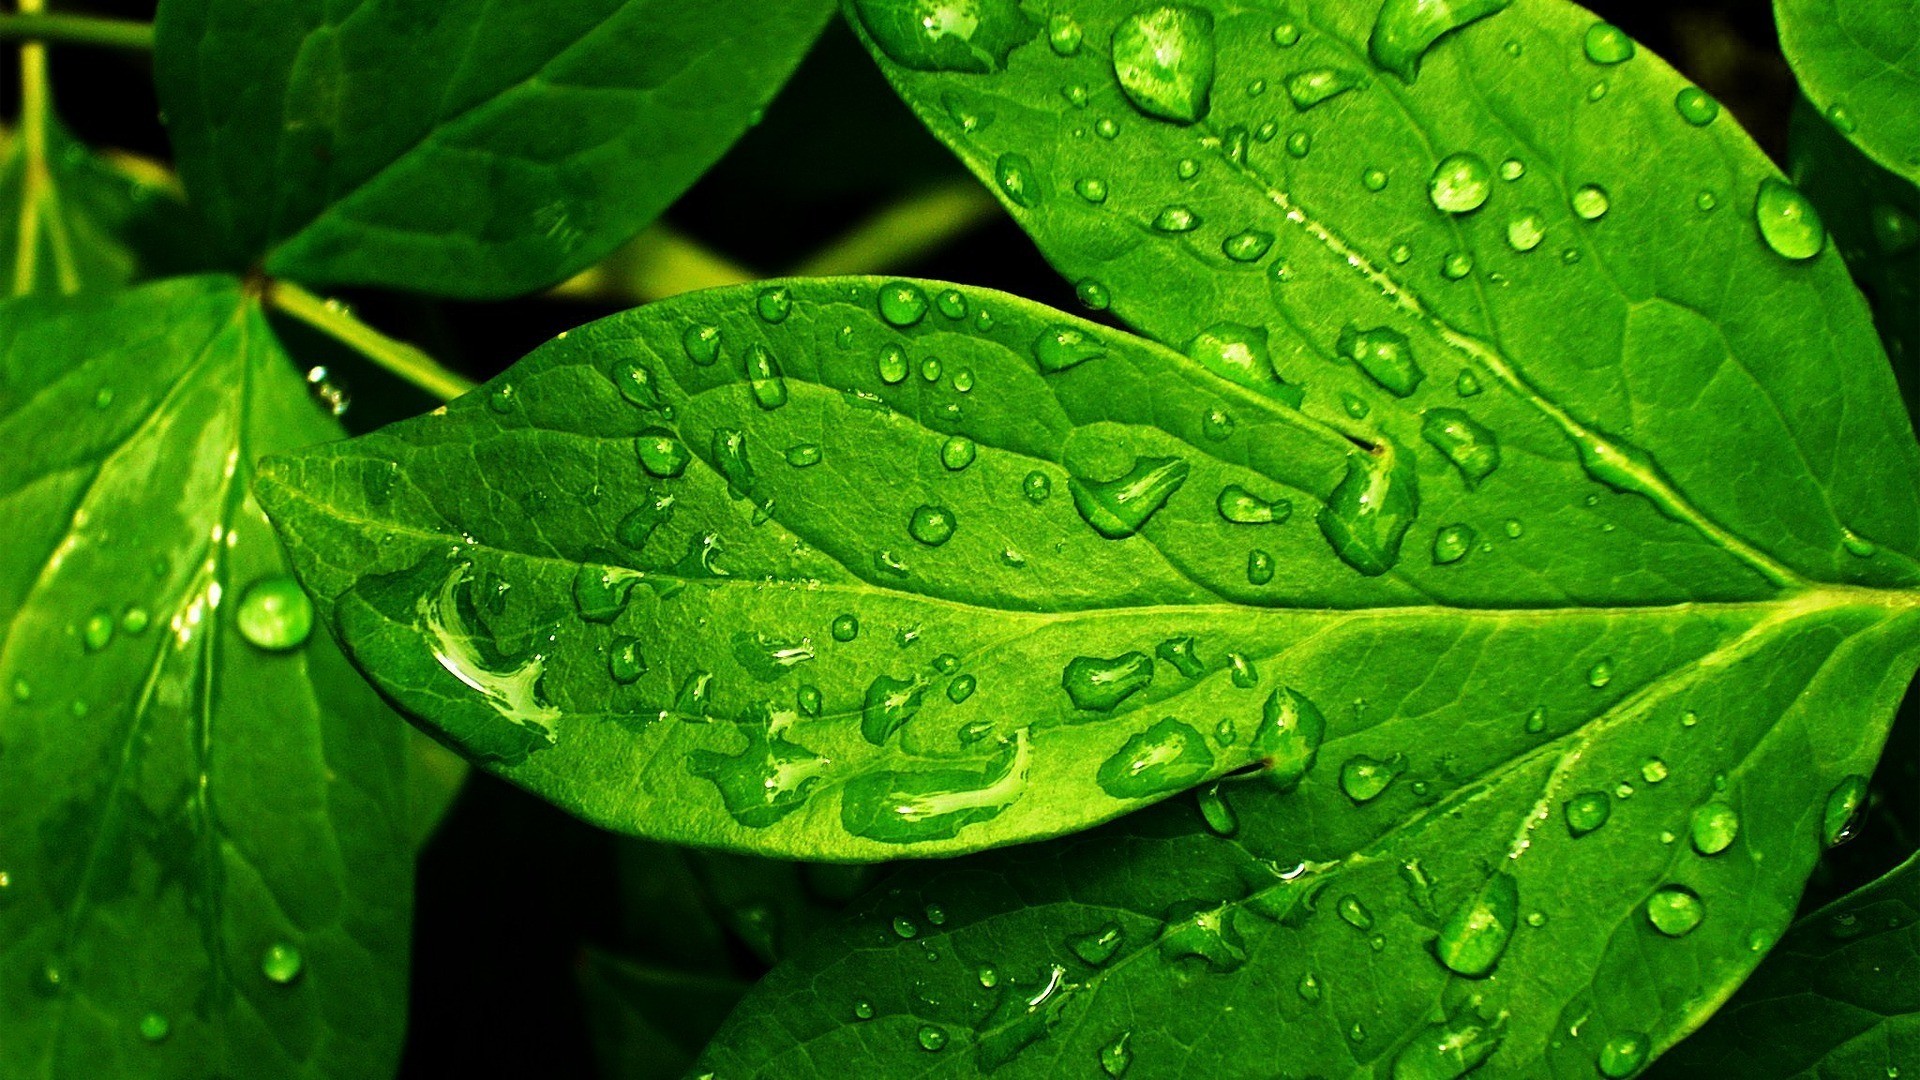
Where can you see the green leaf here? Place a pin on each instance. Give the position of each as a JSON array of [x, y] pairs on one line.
[[91, 224], [1875, 220], [685, 908], [1859, 62], [466, 149], [435, 776], [650, 1022], [206, 867], [1837, 999]]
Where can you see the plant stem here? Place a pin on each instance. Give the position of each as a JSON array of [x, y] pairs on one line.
[[337, 321], [31, 25], [658, 263], [905, 231]]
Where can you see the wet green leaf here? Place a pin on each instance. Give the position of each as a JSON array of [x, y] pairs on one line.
[[464, 149], [1838, 998], [1875, 220], [1858, 61], [206, 868], [94, 223]]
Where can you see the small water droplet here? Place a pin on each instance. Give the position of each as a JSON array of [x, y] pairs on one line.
[[1063, 35], [275, 614], [1097, 946], [1240, 506], [1167, 757], [1606, 43], [155, 1027], [1204, 932], [1315, 86], [625, 664], [1456, 265], [1036, 487], [957, 453], [1375, 180], [1093, 295], [1091, 188], [1099, 685], [1365, 779], [1470, 446], [1526, 230], [1713, 827], [1601, 673], [1369, 512], [1452, 543], [1675, 910], [774, 303], [1696, 106], [1590, 202], [902, 303], [1299, 144], [1248, 246], [1460, 184], [661, 454], [1476, 934], [282, 963], [1788, 221], [1384, 354], [1259, 567], [1653, 770], [931, 1039], [1845, 809], [1176, 219], [1116, 1056], [931, 525], [1622, 1056], [802, 455], [1405, 30], [862, 1009], [1587, 811]]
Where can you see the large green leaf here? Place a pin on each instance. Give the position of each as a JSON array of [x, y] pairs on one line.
[[88, 223], [1859, 61], [206, 867], [467, 148], [1838, 998], [1875, 220]]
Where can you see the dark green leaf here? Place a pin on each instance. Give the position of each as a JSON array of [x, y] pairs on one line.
[[1837, 999], [206, 868], [650, 1022], [92, 224], [465, 148], [1859, 62], [435, 775], [1875, 220]]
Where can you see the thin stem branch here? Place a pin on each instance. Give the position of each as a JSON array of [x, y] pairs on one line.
[[31, 25], [658, 263], [337, 321], [909, 229]]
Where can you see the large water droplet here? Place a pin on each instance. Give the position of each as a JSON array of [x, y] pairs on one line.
[[1120, 507], [769, 779], [1675, 910], [1167, 757], [1116, 1057], [1713, 827], [1175, 219], [1248, 245], [275, 614], [1097, 946], [282, 963], [1288, 739], [1470, 446], [1474, 936], [889, 703], [1622, 1056], [1384, 354], [1365, 779], [1460, 183], [1446, 1051], [946, 35], [1163, 58], [1590, 202], [1606, 43], [1696, 106], [1240, 355], [923, 804], [931, 525], [902, 303], [701, 342], [1205, 932], [1405, 29], [1452, 543], [637, 382], [1098, 685], [1064, 35], [1368, 514], [1315, 86], [931, 1039], [661, 454], [1846, 807], [1526, 230], [1243, 507], [774, 303], [1788, 222], [1061, 347]]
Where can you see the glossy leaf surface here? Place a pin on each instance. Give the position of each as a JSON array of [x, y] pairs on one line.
[[1837, 999], [1858, 61], [464, 149], [207, 867]]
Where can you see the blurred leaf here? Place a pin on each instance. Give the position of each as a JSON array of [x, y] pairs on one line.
[[1858, 61], [649, 1022]]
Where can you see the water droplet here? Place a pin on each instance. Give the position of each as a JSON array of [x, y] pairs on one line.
[[1216, 425], [902, 303], [1299, 144], [1061, 347], [1163, 58], [1536, 720], [1036, 487], [625, 664], [1116, 1056], [135, 619], [1405, 29], [1601, 673], [1446, 1051], [1788, 222], [946, 35], [1063, 35], [935, 803], [1315, 86], [1259, 567], [1894, 229], [1308, 987], [1097, 946], [1474, 936], [1251, 245], [803, 455], [846, 627], [1471, 447], [1526, 230], [1460, 183], [862, 1009], [97, 632], [1242, 507], [1696, 106], [961, 688], [502, 399], [1456, 265], [1622, 1056], [1121, 507], [1167, 757], [1369, 511], [1099, 685], [957, 453], [1713, 827], [1205, 932], [808, 700], [931, 1039], [1091, 188], [637, 383], [155, 1027], [1452, 543], [1590, 202], [1606, 43], [1400, 253], [892, 365], [1384, 354], [274, 614], [730, 458], [1675, 910], [1106, 128], [1653, 770], [1176, 219], [1365, 779], [1288, 739], [1375, 180], [774, 303], [638, 525], [1706, 201], [661, 454], [1587, 811], [1846, 808], [282, 963], [1354, 913], [931, 525], [889, 703], [1018, 181]]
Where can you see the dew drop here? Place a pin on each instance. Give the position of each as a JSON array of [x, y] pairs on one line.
[[1845, 809], [155, 1027], [1288, 740], [660, 454], [282, 963], [1606, 43], [1097, 946], [1176, 219], [1405, 30], [1590, 202], [1063, 35], [1120, 507], [1476, 934], [1116, 1057], [1368, 513], [1259, 567], [1099, 685], [1163, 58], [1696, 106], [1675, 910], [1375, 180], [1365, 779], [1713, 827], [275, 614], [625, 664], [957, 453], [946, 35], [1526, 230], [1587, 811], [1452, 543], [1315, 86], [1788, 222], [1384, 354], [802, 455], [1462, 440], [1204, 932], [1093, 295], [1036, 487], [1240, 506], [931, 1039], [774, 303], [902, 303], [1251, 245], [1167, 757], [1601, 673], [1460, 184], [1091, 188]]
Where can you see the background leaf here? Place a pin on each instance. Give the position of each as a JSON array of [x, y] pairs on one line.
[[650, 1022], [207, 867], [1859, 62], [531, 141], [1838, 998]]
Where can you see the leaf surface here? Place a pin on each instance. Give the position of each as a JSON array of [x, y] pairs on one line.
[[207, 868], [1859, 63], [1837, 999], [465, 149]]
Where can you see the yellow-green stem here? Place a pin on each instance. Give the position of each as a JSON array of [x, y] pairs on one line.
[[337, 321]]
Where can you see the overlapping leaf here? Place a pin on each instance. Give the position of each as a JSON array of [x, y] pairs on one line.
[[1838, 998], [206, 869], [1859, 62], [466, 149]]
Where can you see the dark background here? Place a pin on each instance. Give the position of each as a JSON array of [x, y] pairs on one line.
[[511, 890]]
